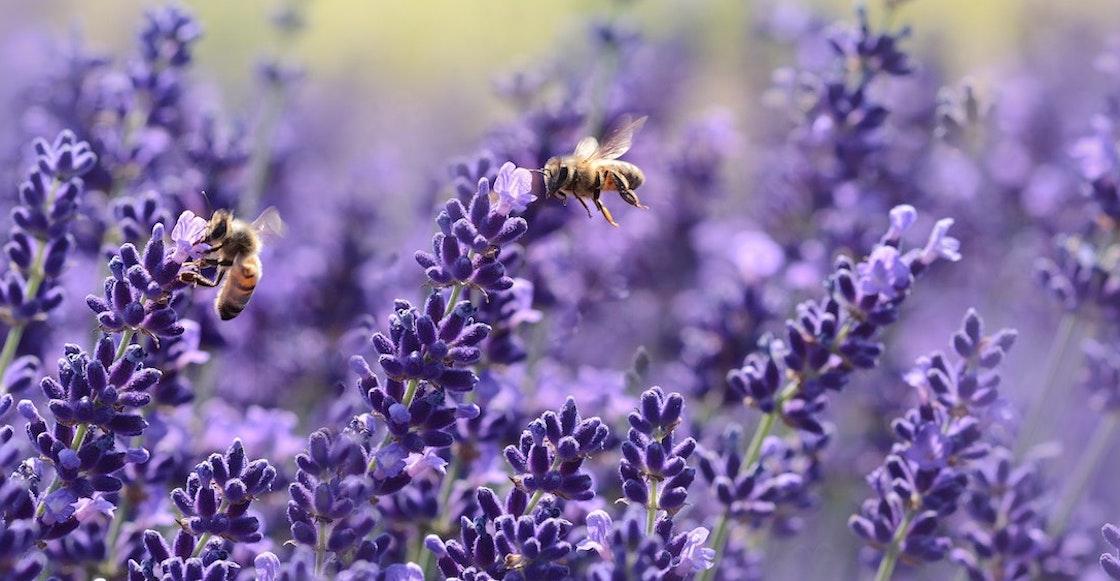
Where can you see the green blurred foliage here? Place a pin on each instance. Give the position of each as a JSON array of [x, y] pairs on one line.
[[433, 61]]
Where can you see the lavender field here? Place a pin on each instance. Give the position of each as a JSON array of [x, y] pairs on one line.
[[863, 323]]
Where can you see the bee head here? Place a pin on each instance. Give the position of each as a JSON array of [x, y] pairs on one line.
[[556, 174], [219, 225]]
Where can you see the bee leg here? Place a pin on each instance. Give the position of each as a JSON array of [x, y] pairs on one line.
[[194, 277], [624, 190], [603, 209], [584, 204]]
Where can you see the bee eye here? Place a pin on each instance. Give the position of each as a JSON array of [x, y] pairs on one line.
[[563, 177], [218, 231]]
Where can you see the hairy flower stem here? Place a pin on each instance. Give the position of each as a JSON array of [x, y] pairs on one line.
[[15, 334], [321, 549], [35, 279], [754, 451], [454, 298], [719, 542], [126, 340], [651, 510], [1038, 407], [533, 501], [892, 552], [1086, 465]]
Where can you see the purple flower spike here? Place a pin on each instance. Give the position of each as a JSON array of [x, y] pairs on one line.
[[218, 494], [41, 231], [467, 247], [651, 457], [552, 450]]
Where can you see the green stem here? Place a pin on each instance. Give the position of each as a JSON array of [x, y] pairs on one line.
[[454, 298], [410, 392], [753, 453], [35, 278], [533, 501], [890, 556], [1038, 407], [201, 543], [651, 509], [15, 334], [1086, 465], [126, 340], [321, 549], [719, 541]]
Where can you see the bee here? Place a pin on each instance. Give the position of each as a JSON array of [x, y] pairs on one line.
[[593, 167], [235, 251]]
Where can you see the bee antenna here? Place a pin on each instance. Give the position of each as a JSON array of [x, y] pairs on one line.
[[209, 204], [540, 171]]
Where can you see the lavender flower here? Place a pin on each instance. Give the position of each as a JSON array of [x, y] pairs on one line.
[[805, 213], [924, 478], [40, 239], [511, 190], [1006, 532], [467, 247], [328, 496], [551, 451], [138, 292], [505, 543], [627, 550], [178, 560], [218, 495], [654, 469], [1109, 562], [434, 346]]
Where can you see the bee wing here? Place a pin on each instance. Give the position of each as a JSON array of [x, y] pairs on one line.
[[617, 141], [586, 148], [268, 225]]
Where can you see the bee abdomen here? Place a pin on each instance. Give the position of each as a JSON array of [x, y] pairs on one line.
[[238, 288]]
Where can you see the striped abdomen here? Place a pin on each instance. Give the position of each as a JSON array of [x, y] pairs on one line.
[[241, 281]]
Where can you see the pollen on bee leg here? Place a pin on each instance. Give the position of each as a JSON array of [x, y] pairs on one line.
[[606, 212]]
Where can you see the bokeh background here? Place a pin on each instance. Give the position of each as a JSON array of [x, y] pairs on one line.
[[416, 67]]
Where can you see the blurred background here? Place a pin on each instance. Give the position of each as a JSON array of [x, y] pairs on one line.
[[417, 67]]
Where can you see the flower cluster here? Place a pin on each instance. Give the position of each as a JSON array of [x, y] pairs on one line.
[[940, 444], [654, 469], [551, 451], [469, 242], [93, 399], [326, 500], [218, 495], [138, 293], [506, 542], [40, 239]]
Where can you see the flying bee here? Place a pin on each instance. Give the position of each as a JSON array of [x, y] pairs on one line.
[[235, 248], [593, 167]]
